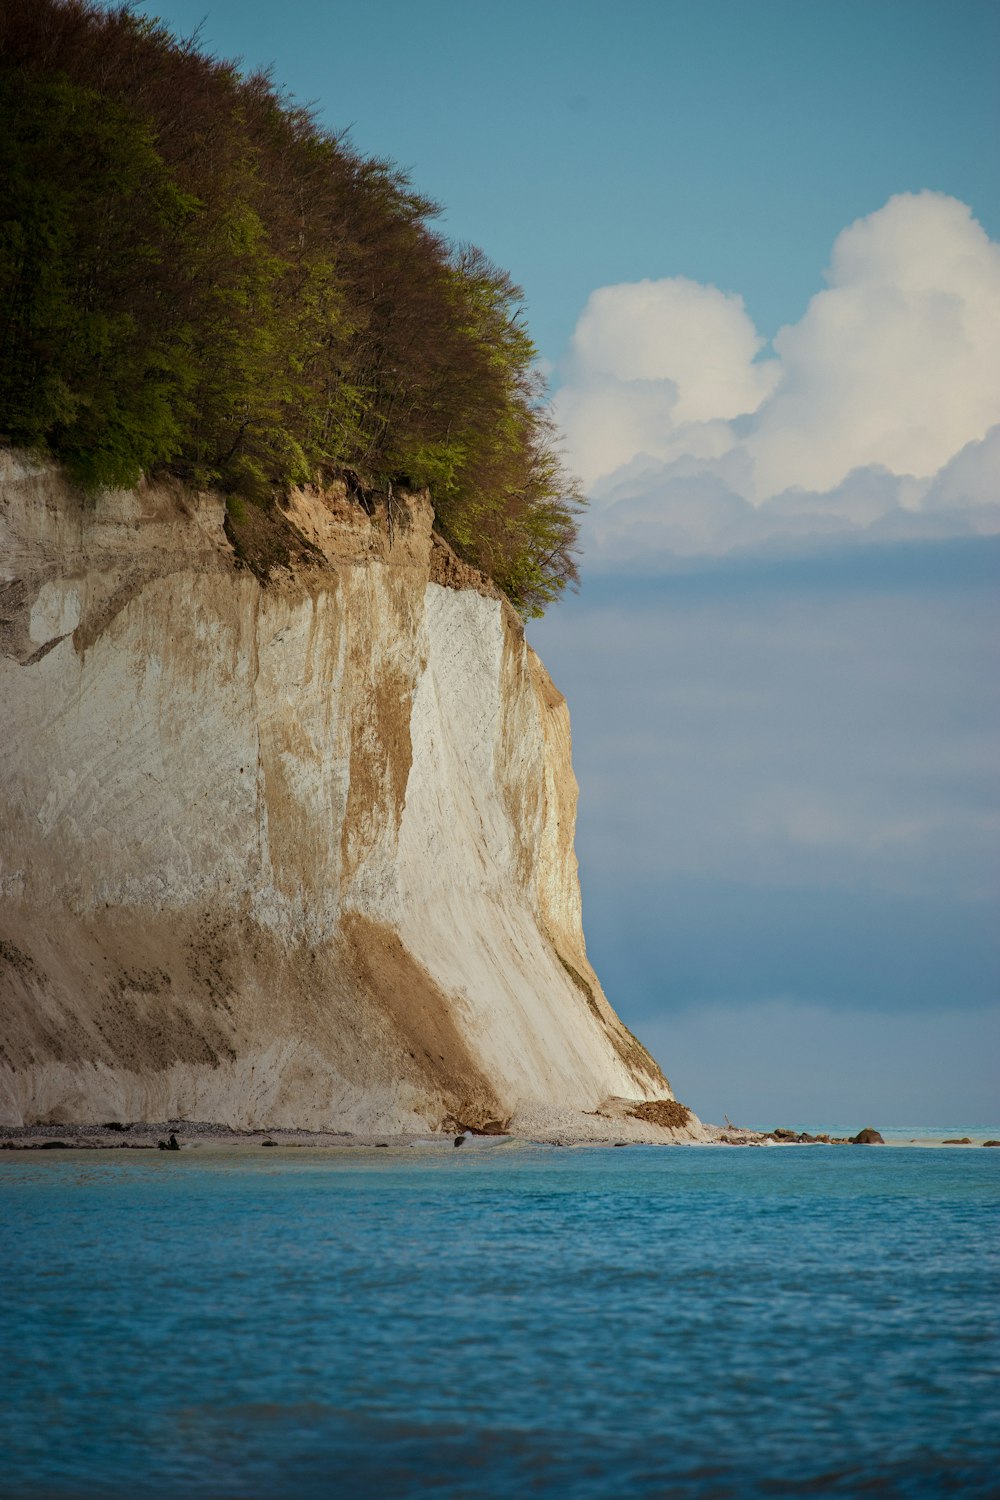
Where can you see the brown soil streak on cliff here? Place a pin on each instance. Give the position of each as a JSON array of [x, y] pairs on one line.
[[523, 795], [421, 1015], [631, 1051], [151, 1003], [381, 754]]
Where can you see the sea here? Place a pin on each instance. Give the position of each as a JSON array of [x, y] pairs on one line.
[[500, 1320]]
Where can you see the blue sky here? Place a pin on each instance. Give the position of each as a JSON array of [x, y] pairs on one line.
[[759, 247], [584, 143]]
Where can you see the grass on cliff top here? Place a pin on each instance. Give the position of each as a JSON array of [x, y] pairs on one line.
[[196, 278]]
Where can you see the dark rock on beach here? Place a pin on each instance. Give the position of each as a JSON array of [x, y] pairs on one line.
[[784, 1137]]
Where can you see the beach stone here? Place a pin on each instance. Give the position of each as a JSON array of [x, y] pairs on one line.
[[867, 1137]]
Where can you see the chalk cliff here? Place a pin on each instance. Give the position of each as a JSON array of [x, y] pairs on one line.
[[286, 825]]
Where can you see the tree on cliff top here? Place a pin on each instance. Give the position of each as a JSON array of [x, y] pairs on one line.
[[196, 278]]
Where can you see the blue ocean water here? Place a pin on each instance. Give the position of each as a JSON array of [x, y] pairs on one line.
[[501, 1321]]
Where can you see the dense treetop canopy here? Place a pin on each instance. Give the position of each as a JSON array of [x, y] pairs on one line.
[[196, 278]]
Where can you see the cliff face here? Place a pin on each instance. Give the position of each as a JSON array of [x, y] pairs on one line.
[[286, 853]]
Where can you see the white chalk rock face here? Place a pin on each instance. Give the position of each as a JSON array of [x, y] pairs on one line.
[[286, 826]]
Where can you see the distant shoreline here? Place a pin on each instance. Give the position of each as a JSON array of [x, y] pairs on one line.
[[199, 1135]]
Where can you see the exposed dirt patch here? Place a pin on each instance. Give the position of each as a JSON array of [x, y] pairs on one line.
[[14, 609], [15, 958], [264, 539], [209, 955], [667, 1112], [104, 992], [448, 569], [147, 1030]]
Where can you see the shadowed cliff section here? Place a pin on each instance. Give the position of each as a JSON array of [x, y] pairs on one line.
[[289, 845]]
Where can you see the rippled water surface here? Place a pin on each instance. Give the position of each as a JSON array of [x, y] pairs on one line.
[[506, 1321]]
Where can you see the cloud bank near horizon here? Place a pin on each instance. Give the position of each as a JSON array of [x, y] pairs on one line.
[[874, 418]]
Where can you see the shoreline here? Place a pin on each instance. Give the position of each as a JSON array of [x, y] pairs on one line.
[[204, 1136]]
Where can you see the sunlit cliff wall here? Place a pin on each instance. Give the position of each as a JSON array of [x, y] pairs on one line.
[[286, 832]]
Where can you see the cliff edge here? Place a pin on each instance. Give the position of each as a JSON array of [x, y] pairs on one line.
[[286, 825]]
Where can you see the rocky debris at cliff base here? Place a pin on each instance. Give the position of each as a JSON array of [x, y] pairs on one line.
[[595, 1128], [529, 1125], [475, 1122], [784, 1137], [666, 1112]]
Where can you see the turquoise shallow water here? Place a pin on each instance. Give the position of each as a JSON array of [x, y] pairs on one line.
[[507, 1321]]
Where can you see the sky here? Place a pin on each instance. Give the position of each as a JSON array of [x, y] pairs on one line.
[[760, 248]]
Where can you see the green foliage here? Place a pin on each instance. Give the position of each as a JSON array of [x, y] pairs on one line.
[[194, 276], [93, 358]]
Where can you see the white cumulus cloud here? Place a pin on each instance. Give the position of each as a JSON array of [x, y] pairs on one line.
[[897, 363], [658, 367], [872, 414]]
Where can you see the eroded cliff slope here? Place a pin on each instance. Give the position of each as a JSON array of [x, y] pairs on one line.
[[286, 831]]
